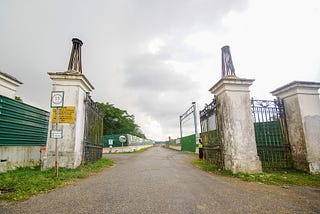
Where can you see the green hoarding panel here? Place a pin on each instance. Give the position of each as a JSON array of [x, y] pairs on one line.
[[115, 139], [188, 143], [22, 124]]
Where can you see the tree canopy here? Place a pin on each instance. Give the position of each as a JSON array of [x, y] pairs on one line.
[[118, 121]]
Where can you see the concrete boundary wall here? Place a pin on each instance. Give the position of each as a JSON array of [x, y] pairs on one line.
[[125, 149], [13, 157]]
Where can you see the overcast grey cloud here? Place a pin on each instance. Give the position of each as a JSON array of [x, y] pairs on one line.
[[154, 57], [148, 72]]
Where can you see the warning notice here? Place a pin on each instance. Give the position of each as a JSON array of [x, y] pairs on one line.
[[66, 114], [57, 99]]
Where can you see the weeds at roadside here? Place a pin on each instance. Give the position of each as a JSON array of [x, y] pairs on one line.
[[22, 183], [288, 177]]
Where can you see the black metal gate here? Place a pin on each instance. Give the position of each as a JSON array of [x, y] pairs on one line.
[[271, 133], [93, 132], [212, 147]]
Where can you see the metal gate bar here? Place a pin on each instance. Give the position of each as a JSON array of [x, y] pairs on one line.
[[212, 150], [93, 133], [271, 133]]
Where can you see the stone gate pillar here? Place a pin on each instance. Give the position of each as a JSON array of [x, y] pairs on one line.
[[302, 106], [235, 124], [75, 87]]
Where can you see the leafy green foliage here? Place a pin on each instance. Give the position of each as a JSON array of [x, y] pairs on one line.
[[22, 183], [18, 99], [117, 121], [289, 177]]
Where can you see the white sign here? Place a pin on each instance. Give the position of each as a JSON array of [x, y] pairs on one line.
[[56, 134], [110, 142], [57, 99], [122, 139]]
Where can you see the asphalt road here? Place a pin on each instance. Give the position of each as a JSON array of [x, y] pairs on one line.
[[163, 181]]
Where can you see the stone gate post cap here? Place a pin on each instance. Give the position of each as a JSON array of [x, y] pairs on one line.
[[74, 77], [296, 87], [231, 83]]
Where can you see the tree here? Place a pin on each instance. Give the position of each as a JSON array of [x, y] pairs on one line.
[[18, 99], [118, 121]]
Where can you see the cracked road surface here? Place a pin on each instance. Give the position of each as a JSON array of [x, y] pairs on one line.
[[163, 181]]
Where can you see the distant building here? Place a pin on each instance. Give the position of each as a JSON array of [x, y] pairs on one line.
[[8, 85]]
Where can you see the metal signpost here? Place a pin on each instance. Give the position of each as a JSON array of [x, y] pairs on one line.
[[57, 98], [122, 139]]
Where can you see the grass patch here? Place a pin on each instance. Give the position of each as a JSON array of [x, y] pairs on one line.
[[288, 177], [22, 183]]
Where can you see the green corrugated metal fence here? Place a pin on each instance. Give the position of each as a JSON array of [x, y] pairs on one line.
[[188, 143], [131, 140], [22, 124], [115, 138]]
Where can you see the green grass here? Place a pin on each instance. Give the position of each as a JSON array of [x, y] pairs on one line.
[[22, 183], [288, 177]]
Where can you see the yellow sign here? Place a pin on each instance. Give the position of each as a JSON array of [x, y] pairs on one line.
[[66, 114]]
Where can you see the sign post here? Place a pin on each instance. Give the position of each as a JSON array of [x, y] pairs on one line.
[[57, 98], [122, 139]]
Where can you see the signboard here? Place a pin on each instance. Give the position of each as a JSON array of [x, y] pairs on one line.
[[57, 98], [66, 115], [110, 142], [57, 134], [122, 139]]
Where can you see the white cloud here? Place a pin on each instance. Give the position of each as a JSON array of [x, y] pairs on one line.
[[153, 58], [156, 45]]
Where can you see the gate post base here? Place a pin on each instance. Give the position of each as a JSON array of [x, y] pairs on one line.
[[69, 160], [245, 165], [314, 167]]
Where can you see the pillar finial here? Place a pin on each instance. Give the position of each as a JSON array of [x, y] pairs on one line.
[[227, 65], [75, 64]]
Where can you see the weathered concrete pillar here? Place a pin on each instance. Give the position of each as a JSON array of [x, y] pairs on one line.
[[235, 124], [70, 147], [72, 117], [302, 106]]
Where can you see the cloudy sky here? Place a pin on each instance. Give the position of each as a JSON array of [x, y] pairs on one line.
[[154, 57]]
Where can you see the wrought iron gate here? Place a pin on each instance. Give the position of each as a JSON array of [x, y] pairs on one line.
[[212, 147], [271, 133], [93, 132]]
